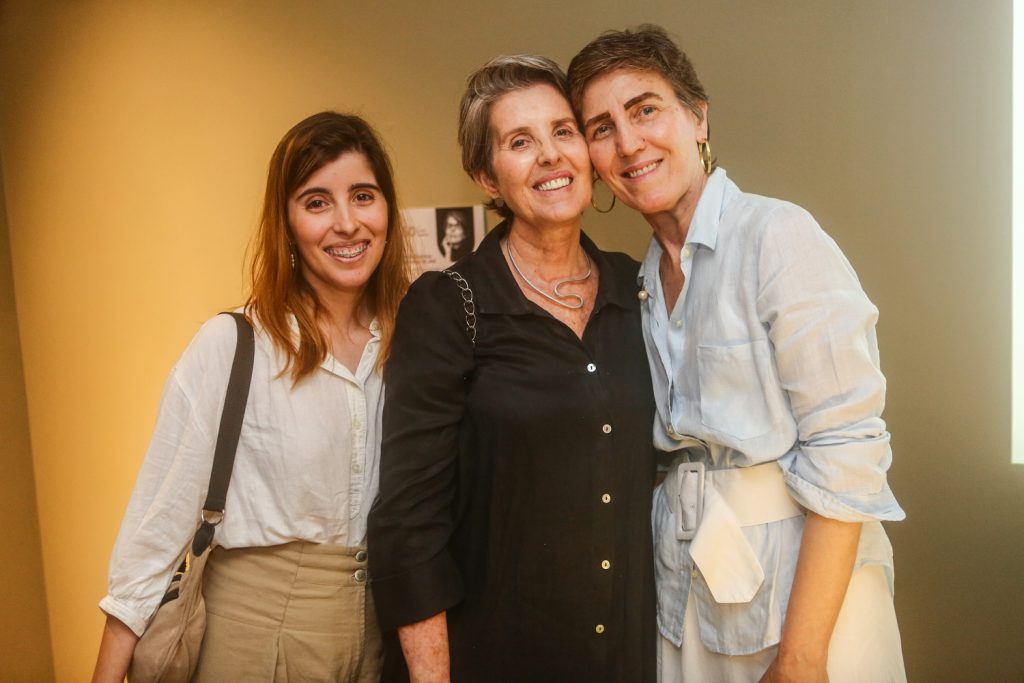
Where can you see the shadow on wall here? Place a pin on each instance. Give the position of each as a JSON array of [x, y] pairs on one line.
[[24, 625]]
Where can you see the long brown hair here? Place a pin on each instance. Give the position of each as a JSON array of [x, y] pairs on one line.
[[278, 289]]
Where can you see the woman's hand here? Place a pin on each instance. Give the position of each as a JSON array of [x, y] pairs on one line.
[[116, 650], [828, 551], [796, 672]]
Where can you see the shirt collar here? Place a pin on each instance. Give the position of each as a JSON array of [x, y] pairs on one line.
[[497, 291], [331, 364], [703, 230], [374, 327], [704, 226]]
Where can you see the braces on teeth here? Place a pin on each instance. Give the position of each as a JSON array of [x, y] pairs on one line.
[[347, 252]]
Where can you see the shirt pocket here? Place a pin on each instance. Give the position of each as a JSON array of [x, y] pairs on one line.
[[746, 628], [740, 395]]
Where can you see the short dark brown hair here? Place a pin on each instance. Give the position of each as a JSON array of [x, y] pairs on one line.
[[645, 48]]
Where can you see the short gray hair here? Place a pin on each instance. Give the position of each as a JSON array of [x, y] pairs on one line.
[[499, 76]]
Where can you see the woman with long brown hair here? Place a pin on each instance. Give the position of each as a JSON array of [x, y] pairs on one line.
[[286, 584]]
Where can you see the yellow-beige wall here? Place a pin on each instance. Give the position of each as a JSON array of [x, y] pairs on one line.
[[135, 138]]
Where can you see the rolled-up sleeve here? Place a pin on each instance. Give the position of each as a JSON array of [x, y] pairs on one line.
[[411, 523], [822, 327], [163, 512]]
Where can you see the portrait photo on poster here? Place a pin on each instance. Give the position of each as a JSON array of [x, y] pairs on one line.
[[440, 236], [454, 232]]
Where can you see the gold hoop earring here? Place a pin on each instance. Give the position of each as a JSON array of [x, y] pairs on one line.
[[610, 206], [704, 151]]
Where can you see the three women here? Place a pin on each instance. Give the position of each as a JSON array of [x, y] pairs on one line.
[[511, 540], [286, 587]]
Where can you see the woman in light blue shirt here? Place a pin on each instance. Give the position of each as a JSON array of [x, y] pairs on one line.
[[771, 561]]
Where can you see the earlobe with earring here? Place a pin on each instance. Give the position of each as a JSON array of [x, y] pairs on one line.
[[291, 255], [610, 206], [704, 151], [499, 202]]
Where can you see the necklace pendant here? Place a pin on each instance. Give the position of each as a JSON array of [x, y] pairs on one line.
[[556, 288]]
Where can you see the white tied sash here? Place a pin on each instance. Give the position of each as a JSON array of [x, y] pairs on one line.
[[712, 506]]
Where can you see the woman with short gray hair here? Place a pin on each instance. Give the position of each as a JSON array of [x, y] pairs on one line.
[[512, 532]]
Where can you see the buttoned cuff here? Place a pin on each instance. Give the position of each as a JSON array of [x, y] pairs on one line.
[[417, 593], [845, 481], [123, 613]]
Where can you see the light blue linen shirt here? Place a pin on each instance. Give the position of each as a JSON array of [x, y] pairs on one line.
[[769, 354]]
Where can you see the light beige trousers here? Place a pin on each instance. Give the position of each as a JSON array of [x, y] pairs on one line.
[[865, 645], [294, 612]]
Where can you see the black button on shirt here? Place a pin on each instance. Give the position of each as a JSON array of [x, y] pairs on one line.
[[513, 473]]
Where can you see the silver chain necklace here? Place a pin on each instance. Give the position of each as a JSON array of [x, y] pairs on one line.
[[555, 288]]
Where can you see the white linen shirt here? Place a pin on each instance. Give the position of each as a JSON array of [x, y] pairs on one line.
[[305, 469], [769, 354]]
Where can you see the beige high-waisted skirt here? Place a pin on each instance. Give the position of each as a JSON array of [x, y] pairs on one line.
[[294, 612]]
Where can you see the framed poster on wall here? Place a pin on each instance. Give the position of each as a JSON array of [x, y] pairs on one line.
[[440, 236]]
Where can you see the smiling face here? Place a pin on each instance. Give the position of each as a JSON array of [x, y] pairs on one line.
[[643, 141], [540, 164], [339, 222]]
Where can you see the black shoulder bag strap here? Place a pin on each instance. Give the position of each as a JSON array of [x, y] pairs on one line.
[[235, 399]]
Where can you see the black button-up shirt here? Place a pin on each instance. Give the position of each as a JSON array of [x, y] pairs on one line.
[[516, 479]]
